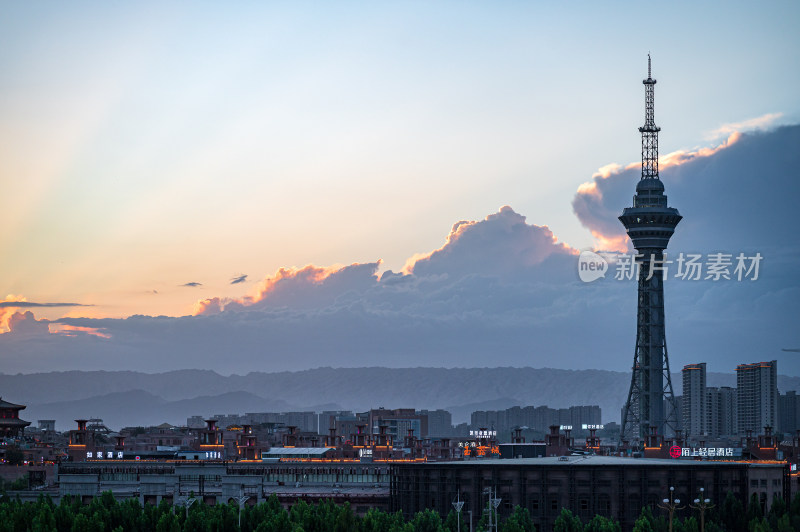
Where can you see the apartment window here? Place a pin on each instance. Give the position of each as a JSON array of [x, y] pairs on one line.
[[554, 504], [584, 505]]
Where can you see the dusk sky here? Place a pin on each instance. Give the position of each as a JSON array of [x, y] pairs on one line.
[[287, 171]]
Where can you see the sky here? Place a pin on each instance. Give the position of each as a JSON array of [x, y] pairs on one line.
[[286, 182]]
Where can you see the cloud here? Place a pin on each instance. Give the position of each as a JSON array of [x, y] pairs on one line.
[[192, 284], [759, 123], [500, 291], [500, 244], [31, 304], [25, 324], [75, 331], [11, 302], [307, 287], [726, 184], [239, 279]]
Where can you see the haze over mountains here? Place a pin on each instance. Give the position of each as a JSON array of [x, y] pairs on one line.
[[123, 398]]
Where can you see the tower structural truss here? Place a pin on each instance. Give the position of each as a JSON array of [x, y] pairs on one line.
[[650, 224]]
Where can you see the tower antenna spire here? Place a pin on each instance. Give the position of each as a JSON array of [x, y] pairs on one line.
[[649, 130]]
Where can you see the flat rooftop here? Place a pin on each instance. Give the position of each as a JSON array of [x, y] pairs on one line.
[[582, 461]]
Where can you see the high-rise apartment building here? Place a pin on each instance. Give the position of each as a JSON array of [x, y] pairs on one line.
[[694, 400], [757, 396], [788, 412], [728, 423]]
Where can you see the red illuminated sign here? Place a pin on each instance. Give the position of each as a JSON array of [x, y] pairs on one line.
[[675, 451]]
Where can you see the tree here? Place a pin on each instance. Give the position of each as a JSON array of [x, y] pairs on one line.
[[645, 522], [44, 521], [519, 521], [784, 524], [754, 510], [567, 522], [602, 524], [760, 525], [642, 525], [777, 510], [732, 513], [427, 521], [168, 523]]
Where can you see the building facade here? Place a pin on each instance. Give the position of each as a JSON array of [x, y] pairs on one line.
[[610, 486], [788, 413], [757, 396], [694, 400]]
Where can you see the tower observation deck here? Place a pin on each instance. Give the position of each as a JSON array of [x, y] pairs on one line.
[[650, 223]]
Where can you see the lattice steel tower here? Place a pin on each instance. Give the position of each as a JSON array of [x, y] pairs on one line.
[[650, 224]]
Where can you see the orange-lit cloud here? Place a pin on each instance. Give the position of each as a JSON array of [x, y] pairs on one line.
[[591, 191], [309, 275], [7, 312], [72, 330], [25, 323]]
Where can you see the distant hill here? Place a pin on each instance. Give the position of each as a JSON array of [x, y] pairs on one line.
[[138, 407], [133, 398]]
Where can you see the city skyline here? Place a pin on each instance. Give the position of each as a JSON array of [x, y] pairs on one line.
[[276, 184]]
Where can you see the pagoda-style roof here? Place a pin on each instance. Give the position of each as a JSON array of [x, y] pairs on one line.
[[13, 422], [12, 406]]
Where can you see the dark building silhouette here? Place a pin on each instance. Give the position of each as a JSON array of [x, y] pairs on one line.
[[10, 423]]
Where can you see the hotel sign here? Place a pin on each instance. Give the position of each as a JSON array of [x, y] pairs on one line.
[[704, 452], [483, 433], [590, 427], [109, 455]]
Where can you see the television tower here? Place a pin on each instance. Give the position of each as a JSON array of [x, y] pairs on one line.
[[650, 224]]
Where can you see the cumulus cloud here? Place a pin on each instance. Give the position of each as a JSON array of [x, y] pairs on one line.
[[740, 184], [501, 244], [25, 324], [11, 302]]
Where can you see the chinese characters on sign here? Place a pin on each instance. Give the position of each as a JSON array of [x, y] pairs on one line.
[[481, 450], [691, 267], [109, 455], [483, 433], [709, 452], [590, 427]]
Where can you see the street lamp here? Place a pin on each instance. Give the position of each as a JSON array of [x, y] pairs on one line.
[[241, 499], [186, 502], [458, 505], [671, 505], [495, 503], [702, 504]]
